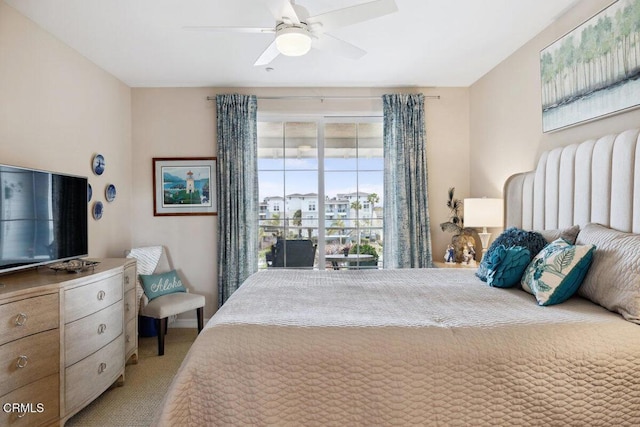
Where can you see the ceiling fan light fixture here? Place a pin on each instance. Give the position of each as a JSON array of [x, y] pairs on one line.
[[293, 41]]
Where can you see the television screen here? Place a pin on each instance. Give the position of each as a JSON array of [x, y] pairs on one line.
[[43, 217]]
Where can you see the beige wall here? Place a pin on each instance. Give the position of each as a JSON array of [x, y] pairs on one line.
[[506, 121], [180, 122], [57, 109]]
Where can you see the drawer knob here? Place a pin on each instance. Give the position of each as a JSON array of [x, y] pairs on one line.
[[21, 319], [102, 328], [102, 367], [128, 338], [101, 295], [22, 361], [127, 307], [126, 280]]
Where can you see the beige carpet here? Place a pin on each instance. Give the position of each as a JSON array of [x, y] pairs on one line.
[[134, 403]]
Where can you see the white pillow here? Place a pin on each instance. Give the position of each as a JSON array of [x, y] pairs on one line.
[[613, 280], [568, 234]]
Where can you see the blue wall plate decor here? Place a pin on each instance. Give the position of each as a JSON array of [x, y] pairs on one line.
[[89, 192], [98, 164], [110, 193], [97, 210]]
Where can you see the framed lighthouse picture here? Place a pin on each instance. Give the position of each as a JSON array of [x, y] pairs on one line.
[[184, 186]]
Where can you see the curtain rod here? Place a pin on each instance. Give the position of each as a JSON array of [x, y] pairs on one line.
[[322, 98]]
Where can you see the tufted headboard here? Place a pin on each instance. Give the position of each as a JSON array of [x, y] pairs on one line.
[[594, 181]]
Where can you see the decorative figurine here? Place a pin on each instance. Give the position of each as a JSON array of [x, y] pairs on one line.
[[467, 256], [472, 250], [449, 255]]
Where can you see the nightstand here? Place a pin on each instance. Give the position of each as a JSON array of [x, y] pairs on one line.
[[440, 264]]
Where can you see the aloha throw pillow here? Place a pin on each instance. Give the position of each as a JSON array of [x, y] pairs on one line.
[[556, 273], [156, 285], [505, 266], [513, 236]]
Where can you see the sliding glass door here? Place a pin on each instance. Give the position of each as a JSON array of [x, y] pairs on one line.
[[321, 182]]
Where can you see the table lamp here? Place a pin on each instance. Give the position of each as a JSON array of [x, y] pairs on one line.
[[483, 212]]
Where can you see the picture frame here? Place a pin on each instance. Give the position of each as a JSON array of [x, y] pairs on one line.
[[184, 186], [592, 71]]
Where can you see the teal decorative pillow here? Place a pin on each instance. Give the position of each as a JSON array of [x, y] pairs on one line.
[[513, 236], [155, 285], [556, 273], [505, 266]]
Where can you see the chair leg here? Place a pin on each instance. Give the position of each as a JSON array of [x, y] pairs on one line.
[[200, 319], [162, 330]]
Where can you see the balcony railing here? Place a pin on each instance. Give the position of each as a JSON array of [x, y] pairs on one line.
[[337, 238]]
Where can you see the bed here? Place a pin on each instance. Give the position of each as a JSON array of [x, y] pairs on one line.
[[438, 346]]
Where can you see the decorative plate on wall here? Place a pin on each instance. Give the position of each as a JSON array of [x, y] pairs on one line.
[[98, 164], [97, 210], [110, 193], [89, 192]]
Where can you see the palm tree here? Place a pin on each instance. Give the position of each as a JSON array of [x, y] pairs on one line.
[[335, 226], [297, 221], [373, 198]]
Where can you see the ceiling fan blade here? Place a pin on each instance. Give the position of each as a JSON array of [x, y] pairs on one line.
[[268, 55], [282, 10], [351, 15], [230, 29], [340, 47]]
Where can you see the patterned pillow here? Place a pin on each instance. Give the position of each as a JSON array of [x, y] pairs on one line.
[[156, 285], [506, 265], [614, 278], [513, 236], [556, 273]]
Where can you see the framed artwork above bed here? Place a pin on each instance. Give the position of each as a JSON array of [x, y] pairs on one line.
[[594, 70]]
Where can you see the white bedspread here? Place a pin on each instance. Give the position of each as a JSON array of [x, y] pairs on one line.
[[404, 347]]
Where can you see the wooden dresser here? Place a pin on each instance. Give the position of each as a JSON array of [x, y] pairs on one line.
[[64, 339], [130, 314]]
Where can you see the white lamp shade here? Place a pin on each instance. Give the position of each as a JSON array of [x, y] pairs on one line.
[[483, 212], [293, 41]]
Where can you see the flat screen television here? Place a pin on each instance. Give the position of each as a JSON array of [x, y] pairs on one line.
[[43, 217]]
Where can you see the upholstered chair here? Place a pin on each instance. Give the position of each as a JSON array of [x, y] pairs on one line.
[[154, 260], [298, 253]]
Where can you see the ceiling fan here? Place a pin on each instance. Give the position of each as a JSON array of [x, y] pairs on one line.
[[296, 32]]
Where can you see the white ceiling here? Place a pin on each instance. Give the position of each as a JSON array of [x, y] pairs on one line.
[[425, 43]]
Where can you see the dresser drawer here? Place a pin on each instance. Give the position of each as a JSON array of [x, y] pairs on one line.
[[41, 402], [28, 359], [86, 335], [130, 277], [84, 300], [130, 304], [130, 336], [85, 380], [28, 316]]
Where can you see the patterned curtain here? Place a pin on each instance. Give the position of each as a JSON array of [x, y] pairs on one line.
[[237, 186], [407, 239]]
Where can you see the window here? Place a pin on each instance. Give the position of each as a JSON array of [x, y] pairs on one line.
[[330, 172]]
